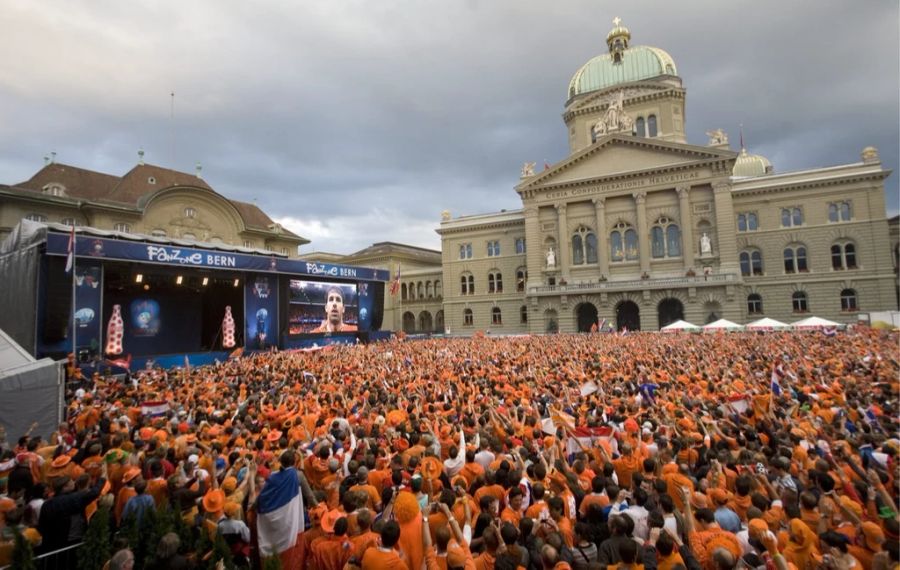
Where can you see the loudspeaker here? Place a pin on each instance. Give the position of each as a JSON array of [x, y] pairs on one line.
[[58, 307], [377, 291]]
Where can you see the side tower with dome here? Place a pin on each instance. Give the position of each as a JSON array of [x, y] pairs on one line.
[[638, 227]]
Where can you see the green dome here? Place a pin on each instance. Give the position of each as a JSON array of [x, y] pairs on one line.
[[636, 63]]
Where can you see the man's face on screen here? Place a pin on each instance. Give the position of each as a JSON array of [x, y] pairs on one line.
[[334, 308]]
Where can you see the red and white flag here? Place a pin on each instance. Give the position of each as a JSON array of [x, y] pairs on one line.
[[70, 258]]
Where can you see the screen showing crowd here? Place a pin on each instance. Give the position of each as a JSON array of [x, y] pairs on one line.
[[319, 307]]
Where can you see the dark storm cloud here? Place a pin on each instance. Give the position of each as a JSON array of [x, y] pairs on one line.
[[355, 122]]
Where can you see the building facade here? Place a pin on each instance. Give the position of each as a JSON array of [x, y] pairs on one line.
[[638, 228], [148, 200]]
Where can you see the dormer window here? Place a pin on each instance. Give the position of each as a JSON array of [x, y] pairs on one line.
[[54, 190], [190, 212], [275, 228]]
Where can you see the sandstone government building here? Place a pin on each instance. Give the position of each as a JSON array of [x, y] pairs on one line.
[[635, 228]]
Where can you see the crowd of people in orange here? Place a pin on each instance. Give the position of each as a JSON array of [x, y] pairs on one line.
[[646, 451]]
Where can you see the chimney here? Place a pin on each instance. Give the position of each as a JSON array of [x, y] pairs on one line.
[[53, 157], [46, 160], [141, 157], [199, 168]]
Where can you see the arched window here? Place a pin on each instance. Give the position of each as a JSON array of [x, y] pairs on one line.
[[496, 316], [404, 295], [631, 245], [438, 291], [799, 302], [429, 291], [616, 246], [791, 217], [420, 290], [843, 256], [795, 259], [523, 314], [752, 222], [657, 243], [577, 250], [467, 284], [468, 317], [590, 246], [665, 238], [495, 282], [639, 127], [584, 246], [848, 300], [845, 211], [521, 279], [754, 304], [751, 263], [651, 126]]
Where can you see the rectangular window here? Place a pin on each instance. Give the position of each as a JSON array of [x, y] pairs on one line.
[[520, 245], [284, 251], [747, 222], [493, 248], [465, 251], [122, 227], [248, 243]]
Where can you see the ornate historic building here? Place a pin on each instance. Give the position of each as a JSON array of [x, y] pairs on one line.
[[148, 200], [639, 227]]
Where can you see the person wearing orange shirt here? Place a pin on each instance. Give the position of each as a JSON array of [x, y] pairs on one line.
[[384, 556], [332, 551], [513, 511]]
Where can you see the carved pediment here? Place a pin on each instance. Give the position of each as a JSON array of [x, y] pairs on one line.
[[617, 155]]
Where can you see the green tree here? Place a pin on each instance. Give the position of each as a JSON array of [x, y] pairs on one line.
[[97, 545], [23, 555]]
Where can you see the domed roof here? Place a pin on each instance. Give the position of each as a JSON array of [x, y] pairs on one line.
[[748, 165], [623, 64]]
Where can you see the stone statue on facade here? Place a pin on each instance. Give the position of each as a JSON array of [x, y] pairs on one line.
[[528, 169], [717, 137], [615, 120], [551, 258], [705, 245]]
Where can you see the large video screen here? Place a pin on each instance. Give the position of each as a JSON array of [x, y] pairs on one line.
[[317, 307]]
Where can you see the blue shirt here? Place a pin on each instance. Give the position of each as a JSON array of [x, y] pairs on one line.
[[728, 519]]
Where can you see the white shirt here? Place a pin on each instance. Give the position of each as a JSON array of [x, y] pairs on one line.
[[639, 515], [484, 458], [453, 465]]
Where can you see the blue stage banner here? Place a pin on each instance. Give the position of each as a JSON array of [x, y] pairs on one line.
[[88, 294], [96, 247], [260, 311]]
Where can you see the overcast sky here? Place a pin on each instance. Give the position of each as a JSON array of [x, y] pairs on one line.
[[359, 121]]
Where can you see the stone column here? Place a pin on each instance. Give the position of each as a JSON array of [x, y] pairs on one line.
[[602, 236], [562, 239], [534, 252], [725, 230], [687, 226], [640, 201]]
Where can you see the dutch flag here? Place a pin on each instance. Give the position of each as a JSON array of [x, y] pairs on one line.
[[777, 373], [280, 512]]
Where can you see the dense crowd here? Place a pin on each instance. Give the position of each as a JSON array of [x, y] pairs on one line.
[[646, 451]]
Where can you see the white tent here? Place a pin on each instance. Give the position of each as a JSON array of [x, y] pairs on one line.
[[721, 325], [678, 326], [31, 391], [814, 323], [766, 324]]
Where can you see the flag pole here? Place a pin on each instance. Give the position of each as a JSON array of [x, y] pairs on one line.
[[74, 287], [400, 293]]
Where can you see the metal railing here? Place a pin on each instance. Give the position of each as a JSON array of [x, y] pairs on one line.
[[650, 283], [62, 559]]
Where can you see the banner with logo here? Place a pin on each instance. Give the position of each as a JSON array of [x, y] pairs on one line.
[[260, 311], [89, 246]]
